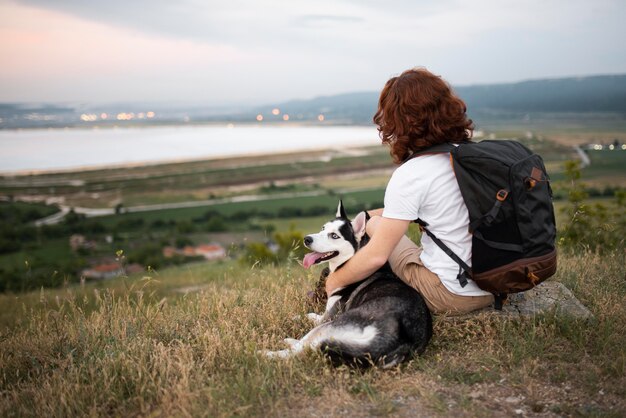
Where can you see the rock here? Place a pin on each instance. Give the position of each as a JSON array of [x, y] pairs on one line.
[[545, 297], [542, 299]]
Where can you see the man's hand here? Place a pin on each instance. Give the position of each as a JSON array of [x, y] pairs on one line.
[[330, 285]]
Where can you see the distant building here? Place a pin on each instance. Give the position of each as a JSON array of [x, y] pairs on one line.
[[208, 251], [188, 251], [169, 252], [134, 268], [103, 271], [211, 251], [78, 242]]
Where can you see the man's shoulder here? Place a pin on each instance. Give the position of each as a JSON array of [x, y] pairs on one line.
[[424, 164], [418, 174]]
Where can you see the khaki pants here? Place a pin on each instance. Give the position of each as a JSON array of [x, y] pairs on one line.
[[406, 263]]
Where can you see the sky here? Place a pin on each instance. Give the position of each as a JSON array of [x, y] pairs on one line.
[[234, 52]]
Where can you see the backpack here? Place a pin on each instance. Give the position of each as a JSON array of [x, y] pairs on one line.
[[507, 192]]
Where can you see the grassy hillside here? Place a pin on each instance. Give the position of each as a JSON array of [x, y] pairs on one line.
[[141, 346]]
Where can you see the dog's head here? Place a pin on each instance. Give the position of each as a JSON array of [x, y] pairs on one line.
[[337, 242]]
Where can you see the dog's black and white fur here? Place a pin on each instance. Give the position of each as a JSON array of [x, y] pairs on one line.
[[379, 320]]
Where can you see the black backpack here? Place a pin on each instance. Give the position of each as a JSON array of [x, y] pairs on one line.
[[507, 192]]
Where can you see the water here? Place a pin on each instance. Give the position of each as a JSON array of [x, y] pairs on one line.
[[62, 149]]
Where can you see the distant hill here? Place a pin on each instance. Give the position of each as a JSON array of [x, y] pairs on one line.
[[488, 105], [603, 93], [347, 107]]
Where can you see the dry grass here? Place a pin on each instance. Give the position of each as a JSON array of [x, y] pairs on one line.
[[141, 350]]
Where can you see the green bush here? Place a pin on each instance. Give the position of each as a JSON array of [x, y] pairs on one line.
[[258, 253], [599, 227], [288, 247], [130, 224], [216, 224], [181, 242], [290, 244], [184, 227], [36, 274], [149, 254], [14, 236]]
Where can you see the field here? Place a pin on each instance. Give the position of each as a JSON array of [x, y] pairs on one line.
[[141, 346], [247, 196], [183, 340], [198, 180]]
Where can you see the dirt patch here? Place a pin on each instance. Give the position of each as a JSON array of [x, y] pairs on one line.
[[423, 395]]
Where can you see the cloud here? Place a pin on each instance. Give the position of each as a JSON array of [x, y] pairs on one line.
[[321, 21], [234, 21], [249, 24], [243, 49]]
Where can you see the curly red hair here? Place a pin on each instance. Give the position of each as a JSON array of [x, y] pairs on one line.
[[418, 109]]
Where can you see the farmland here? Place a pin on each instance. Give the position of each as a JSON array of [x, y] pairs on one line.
[[229, 202]]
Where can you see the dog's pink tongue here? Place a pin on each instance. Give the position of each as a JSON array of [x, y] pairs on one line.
[[310, 259]]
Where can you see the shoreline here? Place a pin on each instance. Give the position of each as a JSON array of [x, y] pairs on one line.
[[190, 124], [297, 153]]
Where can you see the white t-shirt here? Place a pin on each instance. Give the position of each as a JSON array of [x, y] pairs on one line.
[[425, 187]]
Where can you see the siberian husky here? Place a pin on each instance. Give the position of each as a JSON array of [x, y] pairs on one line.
[[379, 320]]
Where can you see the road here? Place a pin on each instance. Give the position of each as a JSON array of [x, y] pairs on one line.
[[95, 212], [584, 158]]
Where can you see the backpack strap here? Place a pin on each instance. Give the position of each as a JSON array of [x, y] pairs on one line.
[[435, 149], [498, 300], [465, 271], [489, 217]]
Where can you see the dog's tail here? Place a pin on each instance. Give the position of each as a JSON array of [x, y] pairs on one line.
[[359, 341], [341, 353], [364, 357]]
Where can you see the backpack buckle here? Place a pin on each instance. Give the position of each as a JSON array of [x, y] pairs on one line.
[[502, 195]]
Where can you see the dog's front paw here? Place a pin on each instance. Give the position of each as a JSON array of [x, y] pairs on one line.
[[315, 318], [276, 354]]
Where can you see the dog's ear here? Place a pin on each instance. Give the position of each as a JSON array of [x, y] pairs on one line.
[[341, 212], [358, 225]]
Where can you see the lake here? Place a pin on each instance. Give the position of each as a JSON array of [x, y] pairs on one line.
[[63, 149]]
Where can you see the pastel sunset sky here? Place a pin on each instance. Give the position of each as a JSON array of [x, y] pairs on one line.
[[252, 52]]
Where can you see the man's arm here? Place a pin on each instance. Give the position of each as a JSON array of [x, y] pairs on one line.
[[370, 258]]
